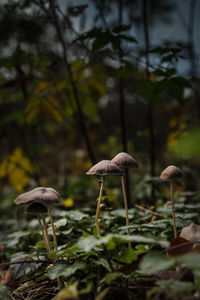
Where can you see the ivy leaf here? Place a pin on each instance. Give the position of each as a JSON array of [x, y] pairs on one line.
[[62, 268], [191, 260], [4, 293], [175, 287], [155, 262], [68, 293], [111, 241], [76, 215], [110, 277], [126, 255]]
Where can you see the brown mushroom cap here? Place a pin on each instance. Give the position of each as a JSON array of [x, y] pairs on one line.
[[36, 208], [125, 160], [171, 172], [46, 196], [105, 167]]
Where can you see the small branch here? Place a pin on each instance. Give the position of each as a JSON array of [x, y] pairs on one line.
[[181, 245], [148, 210], [24, 261]]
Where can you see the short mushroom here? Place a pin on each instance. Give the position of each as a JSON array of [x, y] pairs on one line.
[[171, 173], [124, 161], [45, 196], [102, 169]]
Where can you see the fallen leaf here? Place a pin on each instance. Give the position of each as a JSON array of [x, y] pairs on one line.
[[191, 233]]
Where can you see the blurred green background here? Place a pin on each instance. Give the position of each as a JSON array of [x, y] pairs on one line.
[[81, 81]]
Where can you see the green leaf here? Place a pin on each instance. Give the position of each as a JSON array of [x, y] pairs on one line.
[[155, 262], [22, 269], [4, 293], [111, 241], [40, 245], [60, 223], [165, 50], [62, 268], [102, 295], [76, 215], [175, 287], [146, 89], [68, 293], [129, 38], [191, 260], [120, 28], [110, 277], [126, 255]]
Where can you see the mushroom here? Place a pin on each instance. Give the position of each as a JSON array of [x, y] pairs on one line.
[[102, 169], [47, 197], [124, 161], [171, 173]]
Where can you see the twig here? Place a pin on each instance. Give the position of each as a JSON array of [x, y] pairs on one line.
[[24, 261], [148, 210], [181, 245]]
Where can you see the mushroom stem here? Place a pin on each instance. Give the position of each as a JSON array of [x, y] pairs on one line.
[[53, 229], [98, 207], [43, 234], [173, 210], [126, 207], [45, 231]]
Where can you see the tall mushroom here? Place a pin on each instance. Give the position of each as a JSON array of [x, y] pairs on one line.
[[102, 169], [124, 161], [171, 173], [47, 197]]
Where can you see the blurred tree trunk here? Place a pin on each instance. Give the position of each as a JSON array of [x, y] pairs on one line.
[[122, 106], [21, 80], [54, 19], [191, 50], [149, 105]]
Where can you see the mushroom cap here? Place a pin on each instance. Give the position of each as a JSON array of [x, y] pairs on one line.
[[105, 167], [46, 196], [171, 172], [125, 160], [36, 208]]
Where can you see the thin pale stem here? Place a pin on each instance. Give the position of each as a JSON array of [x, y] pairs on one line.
[[53, 229], [126, 207], [45, 231], [43, 234], [173, 210], [98, 207]]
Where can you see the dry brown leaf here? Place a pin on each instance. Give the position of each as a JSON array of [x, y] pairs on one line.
[[191, 233], [6, 277]]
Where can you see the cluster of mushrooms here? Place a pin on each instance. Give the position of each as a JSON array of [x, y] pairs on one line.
[[118, 166], [41, 199]]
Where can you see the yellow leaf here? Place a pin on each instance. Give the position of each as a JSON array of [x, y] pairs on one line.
[[69, 202], [17, 168]]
